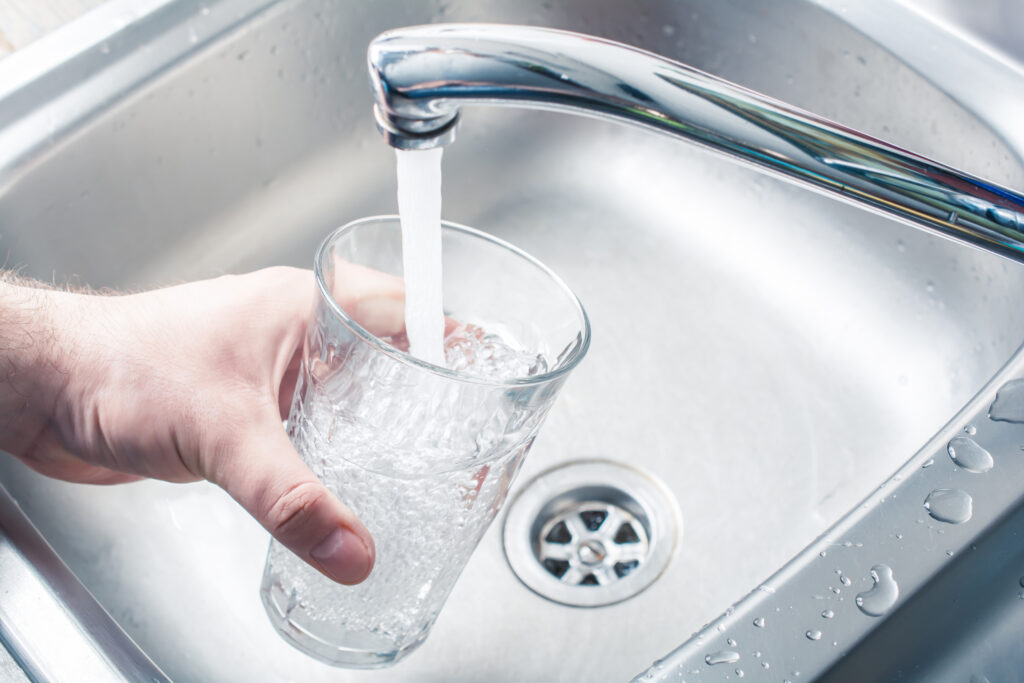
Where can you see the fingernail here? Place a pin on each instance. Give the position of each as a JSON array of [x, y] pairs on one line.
[[343, 555]]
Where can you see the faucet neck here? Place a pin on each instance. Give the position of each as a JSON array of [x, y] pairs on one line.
[[421, 76]]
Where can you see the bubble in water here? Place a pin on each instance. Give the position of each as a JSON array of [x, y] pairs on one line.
[[883, 594], [813, 634], [828, 614], [953, 506], [1009, 403], [968, 454], [722, 657], [759, 621]]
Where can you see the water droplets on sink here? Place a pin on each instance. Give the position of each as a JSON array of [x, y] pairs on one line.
[[882, 596], [1009, 403], [969, 455], [952, 506], [722, 657]]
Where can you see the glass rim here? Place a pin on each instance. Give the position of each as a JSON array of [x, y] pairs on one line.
[[577, 354]]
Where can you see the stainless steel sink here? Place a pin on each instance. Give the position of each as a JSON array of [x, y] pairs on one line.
[[768, 355]]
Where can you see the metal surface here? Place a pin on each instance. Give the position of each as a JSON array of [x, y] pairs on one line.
[[954, 610], [421, 76], [591, 533], [769, 354], [49, 623]]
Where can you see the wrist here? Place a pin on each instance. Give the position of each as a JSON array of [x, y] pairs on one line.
[[36, 345]]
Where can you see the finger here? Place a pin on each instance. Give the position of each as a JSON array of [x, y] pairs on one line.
[[268, 478], [373, 299]]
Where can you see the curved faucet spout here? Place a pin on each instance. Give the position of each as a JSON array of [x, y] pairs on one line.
[[421, 76]]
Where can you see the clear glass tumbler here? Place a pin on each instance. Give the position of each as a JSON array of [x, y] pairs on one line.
[[423, 454]]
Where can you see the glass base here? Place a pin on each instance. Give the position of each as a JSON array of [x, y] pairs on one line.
[[360, 651]]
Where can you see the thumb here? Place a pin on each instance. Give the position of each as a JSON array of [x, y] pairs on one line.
[[268, 478]]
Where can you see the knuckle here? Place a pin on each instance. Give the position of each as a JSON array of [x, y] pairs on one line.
[[291, 508]]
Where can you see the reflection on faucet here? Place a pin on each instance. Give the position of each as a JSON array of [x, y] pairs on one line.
[[421, 76]]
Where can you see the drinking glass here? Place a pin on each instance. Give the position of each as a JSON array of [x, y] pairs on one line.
[[423, 454]]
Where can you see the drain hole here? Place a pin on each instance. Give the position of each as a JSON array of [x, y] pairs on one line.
[[593, 519], [558, 534], [557, 567], [623, 568], [626, 534], [576, 538]]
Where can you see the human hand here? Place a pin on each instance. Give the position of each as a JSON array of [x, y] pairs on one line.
[[184, 383]]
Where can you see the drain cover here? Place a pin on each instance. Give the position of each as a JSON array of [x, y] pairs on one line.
[[591, 533]]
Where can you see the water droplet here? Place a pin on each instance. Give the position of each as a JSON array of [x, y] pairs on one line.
[[822, 554], [739, 673], [971, 429], [828, 614], [813, 634], [1009, 403], [721, 628], [845, 580], [949, 553], [757, 653], [722, 657], [759, 622], [877, 601], [836, 590], [953, 506], [765, 665], [928, 463], [730, 642], [968, 454]]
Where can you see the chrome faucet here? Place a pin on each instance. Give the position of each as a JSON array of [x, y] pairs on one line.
[[421, 76]]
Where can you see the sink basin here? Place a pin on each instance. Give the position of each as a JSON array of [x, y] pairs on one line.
[[770, 356]]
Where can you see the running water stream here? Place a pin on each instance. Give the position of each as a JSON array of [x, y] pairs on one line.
[[419, 205]]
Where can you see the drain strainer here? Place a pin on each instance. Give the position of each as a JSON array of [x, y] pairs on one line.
[[591, 533]]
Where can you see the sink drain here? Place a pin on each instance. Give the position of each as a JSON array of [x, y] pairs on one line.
[[590, 533]]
